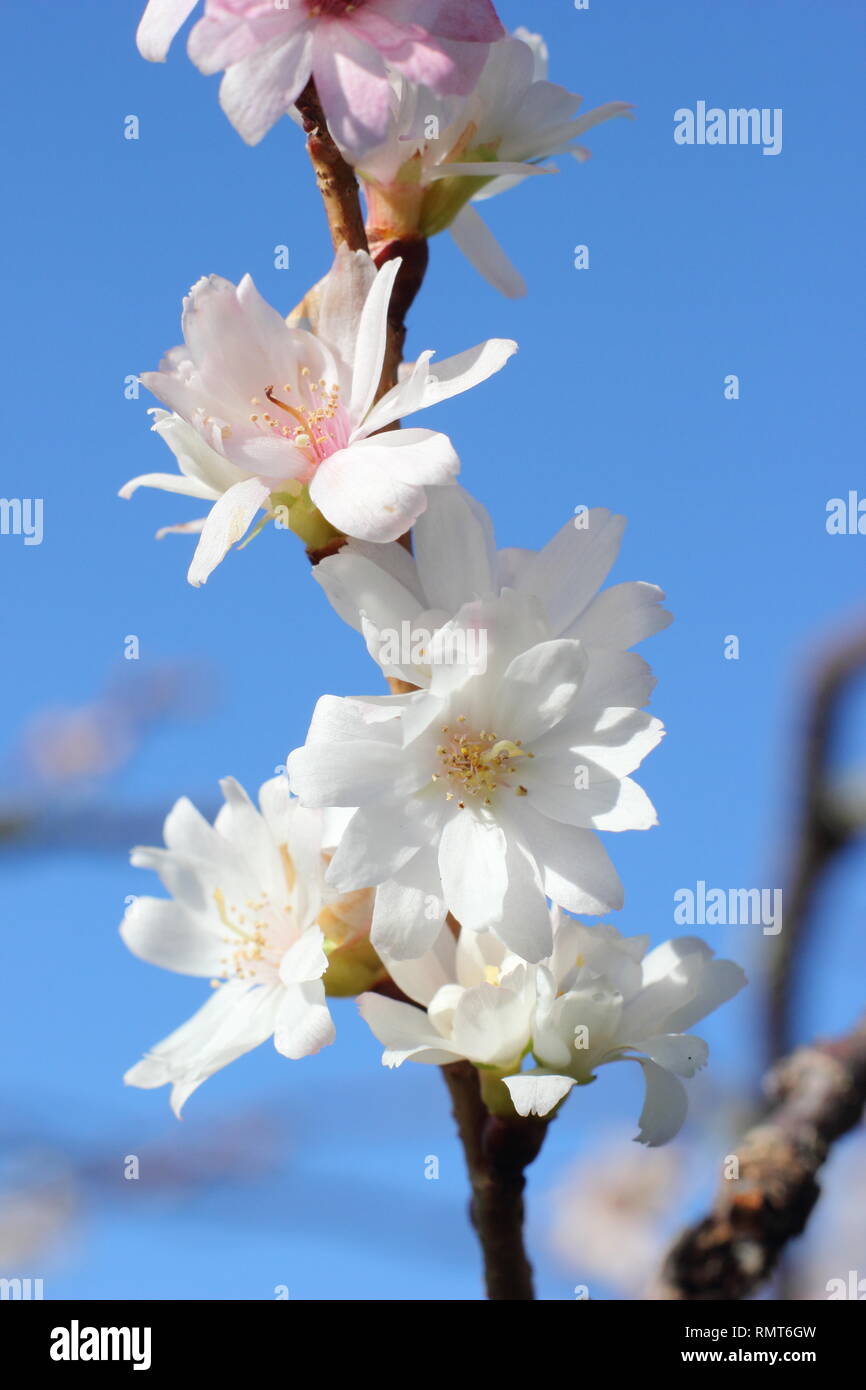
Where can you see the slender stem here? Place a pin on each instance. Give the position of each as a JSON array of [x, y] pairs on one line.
[[341, 197], [497, 1151], [335, 177]]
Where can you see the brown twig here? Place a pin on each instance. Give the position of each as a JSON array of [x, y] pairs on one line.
[[342, 201], [824, 830], [335, 177], [817, 1094], [497, 1151]]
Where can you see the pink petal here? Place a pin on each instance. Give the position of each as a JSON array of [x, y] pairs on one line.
[[353, 87], [257, 91]]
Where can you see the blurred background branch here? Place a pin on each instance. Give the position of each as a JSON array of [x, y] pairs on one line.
[[770, 1185]]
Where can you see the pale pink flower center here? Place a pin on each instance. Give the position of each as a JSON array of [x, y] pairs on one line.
[[474, 765], [310, 417], [257, 936]]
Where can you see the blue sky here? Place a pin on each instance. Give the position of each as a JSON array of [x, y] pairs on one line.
[[704, 261]]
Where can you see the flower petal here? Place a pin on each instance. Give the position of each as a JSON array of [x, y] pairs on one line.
[[454, 549], [539, 687], [259, 89], [233, 1021], [227, 523], [665, 1106], [404, 1032], [371, 340], [159, 24], [303, 1023], [539, 1092], [472, 863], [168, 934], [621, 616], [481, 249], [446, 379]]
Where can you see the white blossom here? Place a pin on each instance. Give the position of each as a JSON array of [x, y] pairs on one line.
[[599, 997], [483, 793]]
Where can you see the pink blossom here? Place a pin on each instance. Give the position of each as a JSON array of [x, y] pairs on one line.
[[270, 48], [258, 408]]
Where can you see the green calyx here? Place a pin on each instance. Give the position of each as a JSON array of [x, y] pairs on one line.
[[352, 968], [297, 512]]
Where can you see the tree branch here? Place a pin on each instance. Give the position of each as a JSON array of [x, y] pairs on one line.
[[817, 1094], [824, 830], [497, 1150]]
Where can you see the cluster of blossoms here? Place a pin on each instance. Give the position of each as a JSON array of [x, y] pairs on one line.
[[434, 841]]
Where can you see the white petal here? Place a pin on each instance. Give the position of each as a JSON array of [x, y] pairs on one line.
[[303, 1024], [233, 1021], [617, 739], [569, 570], [482, 250], [492, 1025], [350, 719], [348, 774], [190, 528], [169, 482], [421, 979], [357, 587], [227, 523], [501, 168], [408, 914], [371, 341], [525, 924], [681, 985], [665, 1104], [615, 678], [454, 549], [342, 295], [376, 844], [604, 803], [305, 960], [167, 934], [621, 616], [404, 1031], [472, 863], [578, 874], [194, 457], [537, 1093], [159, 24], [359, 492], [681, 1053], [445, 379], [241, 823], [538, 689]]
